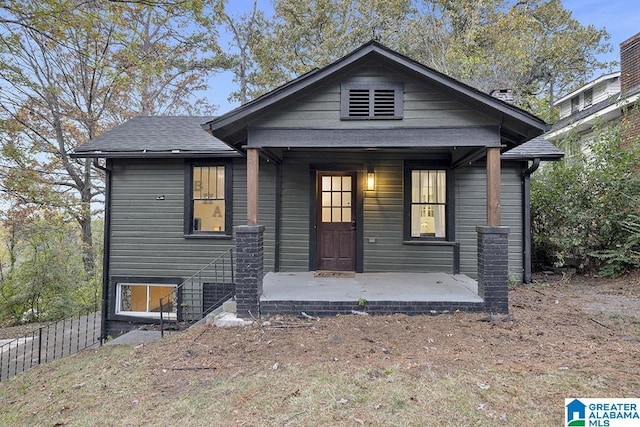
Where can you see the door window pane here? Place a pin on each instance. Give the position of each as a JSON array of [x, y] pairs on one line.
[[326, 183], [326, 198], [326, 214], [335, 215], [337, 196], [346, 214], [336, 182], [346, 183]]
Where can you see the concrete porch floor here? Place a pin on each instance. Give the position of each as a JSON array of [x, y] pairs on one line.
[[407, 287]]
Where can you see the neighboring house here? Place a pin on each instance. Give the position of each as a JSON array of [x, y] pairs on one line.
[[375, 163], [607, 99]]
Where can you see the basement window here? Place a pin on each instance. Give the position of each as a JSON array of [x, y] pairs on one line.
[[371, 101], [143, 300]]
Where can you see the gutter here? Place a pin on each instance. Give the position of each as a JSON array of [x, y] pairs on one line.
[[526, 202], [105, 247]]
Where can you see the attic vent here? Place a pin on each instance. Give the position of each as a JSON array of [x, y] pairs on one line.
[[359, 103], [371, 101], [384, 103]]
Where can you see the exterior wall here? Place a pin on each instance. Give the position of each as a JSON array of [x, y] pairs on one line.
[[630, 76], [601, 92], [630, 63], [383, 212], [424, 106], [471, 211], [147, 235]]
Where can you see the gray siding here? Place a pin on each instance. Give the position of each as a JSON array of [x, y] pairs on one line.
[[424, 106], [383, 210], [147, 235], [294, 254], [383, 222], [471, 210]]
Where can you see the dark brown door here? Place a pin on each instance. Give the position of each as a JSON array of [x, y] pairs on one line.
[[336, 221]]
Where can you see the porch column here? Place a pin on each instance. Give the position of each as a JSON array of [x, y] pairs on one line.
[[249, 269], [250, 247], [493, 244], [493, 186], [253, 164], [493, 263]]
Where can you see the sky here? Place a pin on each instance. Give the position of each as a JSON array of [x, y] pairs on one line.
[[621, 19]]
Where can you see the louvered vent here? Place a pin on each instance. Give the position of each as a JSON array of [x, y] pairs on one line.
[[384, 102], [359, 103], [371, 100]]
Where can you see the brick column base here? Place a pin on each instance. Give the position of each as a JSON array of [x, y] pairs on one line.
[[493, 263], [249, 269]]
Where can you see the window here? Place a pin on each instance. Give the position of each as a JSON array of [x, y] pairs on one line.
[[426, 204], [588, 98], [371, 101], [208, 200], [143, 299], [575, 104]]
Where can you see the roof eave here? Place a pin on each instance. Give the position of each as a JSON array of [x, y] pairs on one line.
[[229, 123], [153, 154]]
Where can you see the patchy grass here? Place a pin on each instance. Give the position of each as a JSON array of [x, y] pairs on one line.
[[458, 369]]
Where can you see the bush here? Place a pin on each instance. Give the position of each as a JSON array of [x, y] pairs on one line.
[[585, 208], [41, 271]]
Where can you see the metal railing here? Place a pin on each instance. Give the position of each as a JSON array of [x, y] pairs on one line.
[[200, 294], [49, 342]]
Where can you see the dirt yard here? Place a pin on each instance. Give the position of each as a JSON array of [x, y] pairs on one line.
[[562, 338], [558, 323]]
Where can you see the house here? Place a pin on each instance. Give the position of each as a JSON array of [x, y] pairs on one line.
[[374, 164], [609, 98]]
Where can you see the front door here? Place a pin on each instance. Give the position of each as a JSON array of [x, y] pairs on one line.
[[336, 221]]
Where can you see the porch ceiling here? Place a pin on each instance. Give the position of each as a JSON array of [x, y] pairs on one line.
[[419, 287]]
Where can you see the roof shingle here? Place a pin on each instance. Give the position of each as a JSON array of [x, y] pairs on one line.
[[149, 136]]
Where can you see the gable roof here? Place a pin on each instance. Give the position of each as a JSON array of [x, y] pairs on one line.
[[537, 148], [602, 78], [517, 125], [157, 136]]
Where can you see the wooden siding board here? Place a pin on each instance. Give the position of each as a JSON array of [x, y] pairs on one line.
[[471, 211], [424, 106], [383, 216], [147, 234], [140, 247], [435, 137]]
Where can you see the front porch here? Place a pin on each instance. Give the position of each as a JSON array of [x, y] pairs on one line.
[[375, 293]]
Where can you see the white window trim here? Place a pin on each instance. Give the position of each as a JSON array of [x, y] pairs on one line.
[[145, 314]]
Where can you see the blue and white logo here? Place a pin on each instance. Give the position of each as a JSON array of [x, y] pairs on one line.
[[589, 412]]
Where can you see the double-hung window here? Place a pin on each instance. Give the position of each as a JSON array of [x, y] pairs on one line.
[[426, 204], [208, 199]]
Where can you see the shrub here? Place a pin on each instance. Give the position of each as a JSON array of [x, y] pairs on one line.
[[584, 208]]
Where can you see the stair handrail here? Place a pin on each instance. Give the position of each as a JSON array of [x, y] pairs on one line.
[[184, 282]]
